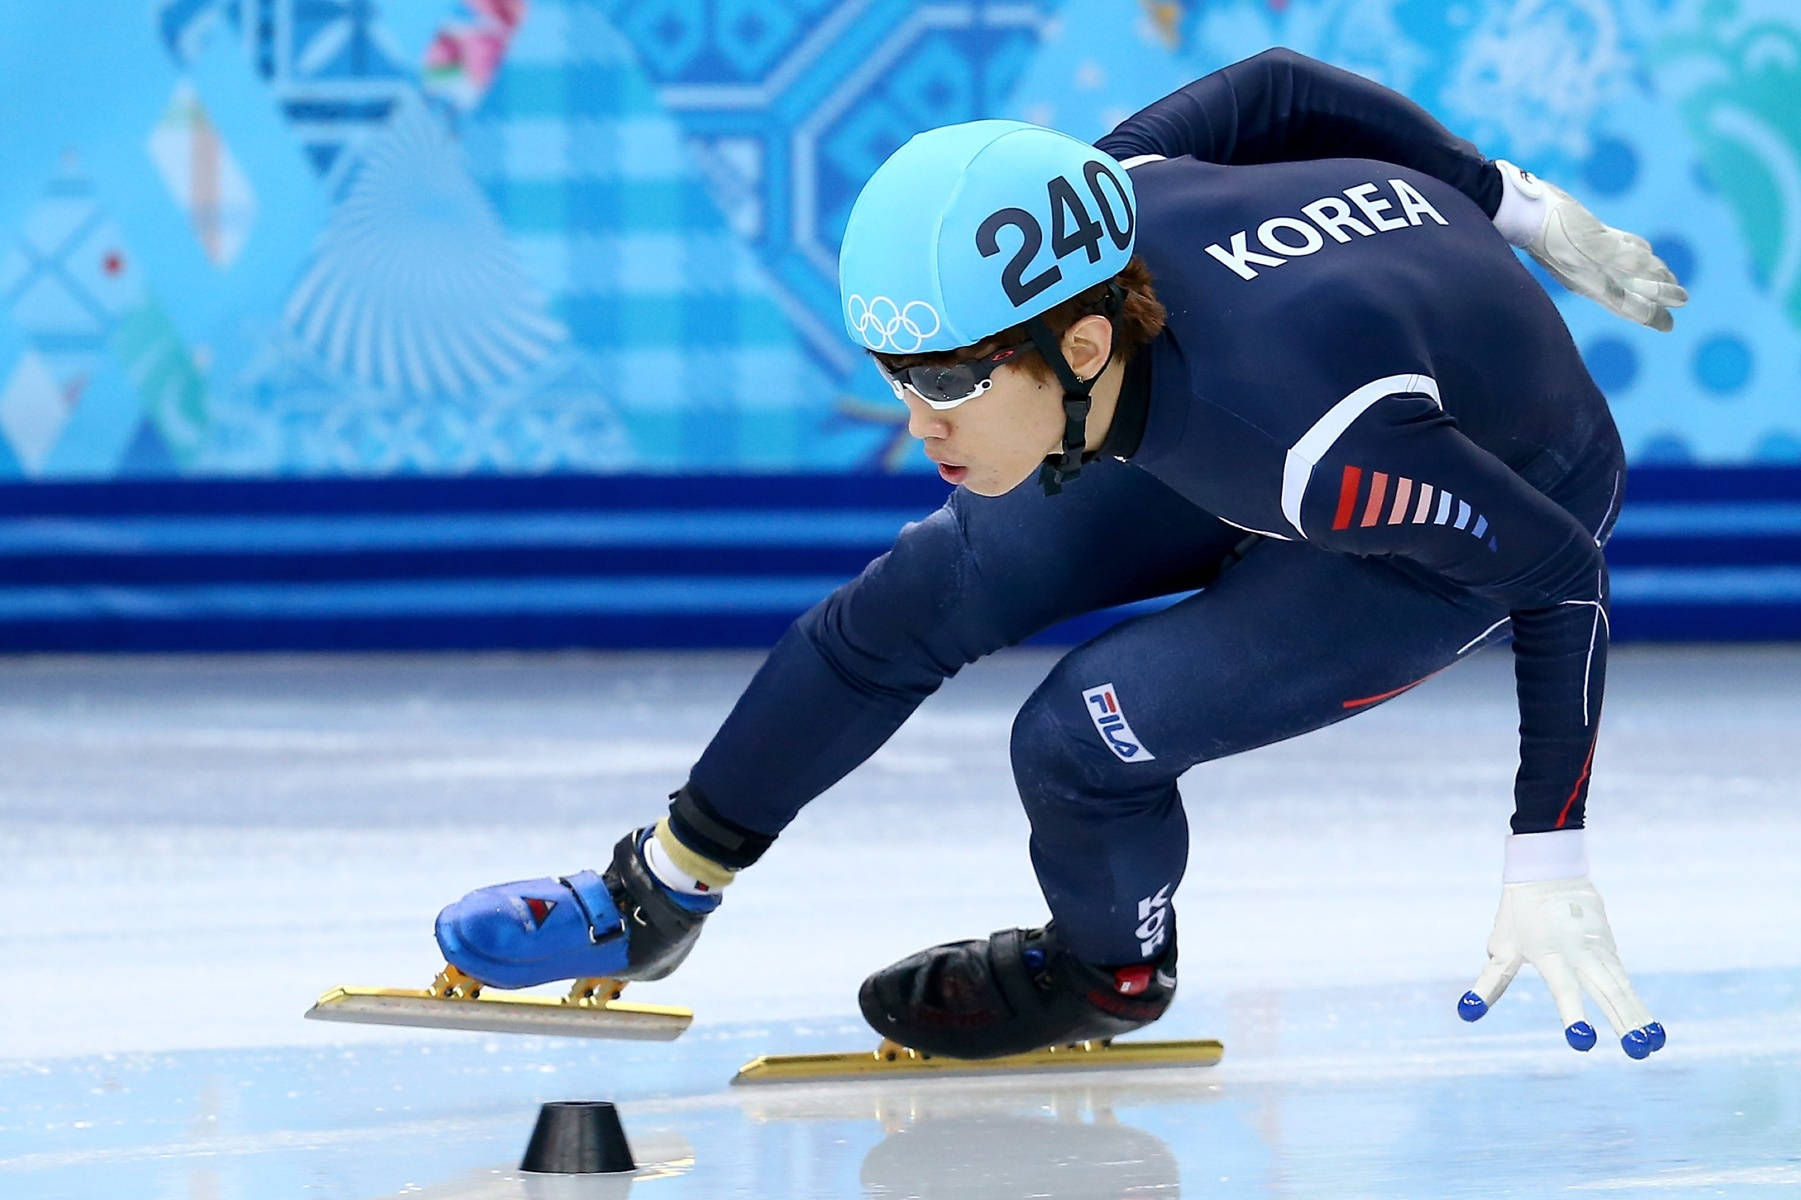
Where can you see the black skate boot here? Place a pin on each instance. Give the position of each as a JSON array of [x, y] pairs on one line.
[[1016, 991]]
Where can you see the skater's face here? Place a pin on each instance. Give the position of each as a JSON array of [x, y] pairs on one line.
[[996, 440]]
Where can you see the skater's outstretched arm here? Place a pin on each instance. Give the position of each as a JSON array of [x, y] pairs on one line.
[[1403, 481], [1280, 106]]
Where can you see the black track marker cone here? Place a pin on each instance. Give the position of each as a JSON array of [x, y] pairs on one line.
[[578, 1137]]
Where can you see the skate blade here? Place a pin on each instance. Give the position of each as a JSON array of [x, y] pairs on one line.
[[592, 1008], [891, 1058]]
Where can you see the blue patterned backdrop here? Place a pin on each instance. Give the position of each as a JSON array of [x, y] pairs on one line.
[[372, 237], [467, 323]]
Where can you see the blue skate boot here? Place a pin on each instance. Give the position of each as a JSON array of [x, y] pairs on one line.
[[620, 924]]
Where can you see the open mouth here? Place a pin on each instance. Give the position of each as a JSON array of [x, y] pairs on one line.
[[952, 474]]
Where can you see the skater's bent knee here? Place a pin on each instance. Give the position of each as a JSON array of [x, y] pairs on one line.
[[1058, 752], [1078, 739]]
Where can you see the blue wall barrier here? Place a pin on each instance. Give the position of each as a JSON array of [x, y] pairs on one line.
[[661, 561]]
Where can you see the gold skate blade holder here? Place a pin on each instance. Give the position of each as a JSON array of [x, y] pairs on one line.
[[591, 1008], [892, 1058]]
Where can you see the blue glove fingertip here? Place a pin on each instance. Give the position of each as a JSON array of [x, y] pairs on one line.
[[1637, 1044], [1472, 1007], [1655, 1029], [1581, 1036]]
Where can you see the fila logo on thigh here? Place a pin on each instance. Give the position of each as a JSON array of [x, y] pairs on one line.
[[1110, 722], [1153, 921]]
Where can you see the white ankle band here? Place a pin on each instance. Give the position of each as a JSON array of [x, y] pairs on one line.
[[670, 875]]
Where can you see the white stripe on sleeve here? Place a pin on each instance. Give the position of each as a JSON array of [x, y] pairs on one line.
[[1297, 469]]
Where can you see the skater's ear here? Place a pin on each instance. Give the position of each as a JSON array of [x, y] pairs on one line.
[[1087, 345]]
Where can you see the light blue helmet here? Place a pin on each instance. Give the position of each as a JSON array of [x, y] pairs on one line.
[[969, 229]]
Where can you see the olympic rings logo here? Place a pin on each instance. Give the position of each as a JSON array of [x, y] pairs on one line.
[[885, 325]]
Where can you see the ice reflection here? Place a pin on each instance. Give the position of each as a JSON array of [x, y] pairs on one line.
[[661, 1155], [1040, 1136], [986, 1155]]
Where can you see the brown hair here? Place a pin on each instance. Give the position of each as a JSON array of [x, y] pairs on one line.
[[1139, 320]]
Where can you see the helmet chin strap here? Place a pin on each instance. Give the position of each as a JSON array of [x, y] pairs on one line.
[[1060, 468]]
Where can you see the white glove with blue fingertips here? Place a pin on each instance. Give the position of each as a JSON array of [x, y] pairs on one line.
[[1552, 917], [1615, 269]]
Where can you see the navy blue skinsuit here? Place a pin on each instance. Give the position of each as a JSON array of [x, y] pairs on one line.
[[1365, 435]]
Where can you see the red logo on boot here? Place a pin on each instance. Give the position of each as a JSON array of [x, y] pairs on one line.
[[540, 909], [1131, 981]]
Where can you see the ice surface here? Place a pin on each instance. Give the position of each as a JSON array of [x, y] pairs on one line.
[[196, 848]]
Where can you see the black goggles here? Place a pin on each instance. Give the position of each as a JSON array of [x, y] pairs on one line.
[[952, 384]]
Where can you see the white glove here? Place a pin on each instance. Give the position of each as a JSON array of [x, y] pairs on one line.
[[1616, 269], [1552, 917]]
